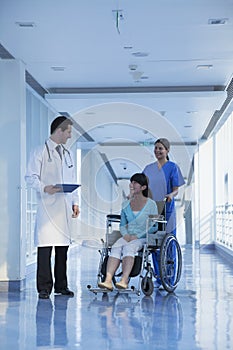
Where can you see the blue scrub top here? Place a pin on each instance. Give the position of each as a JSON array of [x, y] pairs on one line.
[[161, 182]]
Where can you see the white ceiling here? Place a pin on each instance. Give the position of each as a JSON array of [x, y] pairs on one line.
[[128, 71]]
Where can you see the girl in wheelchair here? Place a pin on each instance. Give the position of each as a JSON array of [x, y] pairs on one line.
[[133, 228]]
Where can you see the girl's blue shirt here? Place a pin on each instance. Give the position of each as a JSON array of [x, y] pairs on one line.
[[136, 224]]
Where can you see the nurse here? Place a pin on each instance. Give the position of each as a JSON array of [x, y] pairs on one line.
[[52, 164], [165, 178]]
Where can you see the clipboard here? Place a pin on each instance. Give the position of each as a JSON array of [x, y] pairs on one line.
[[67, 188]]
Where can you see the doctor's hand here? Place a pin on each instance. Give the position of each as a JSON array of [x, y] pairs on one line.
[[76, 211], [50, 189]]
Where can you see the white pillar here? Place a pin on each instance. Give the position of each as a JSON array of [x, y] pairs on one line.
[[12, 170]]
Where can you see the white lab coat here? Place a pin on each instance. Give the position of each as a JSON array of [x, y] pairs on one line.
[[54, 212]]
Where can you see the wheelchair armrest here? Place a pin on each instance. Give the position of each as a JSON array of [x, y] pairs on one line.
[[114, 217], [156, 217]]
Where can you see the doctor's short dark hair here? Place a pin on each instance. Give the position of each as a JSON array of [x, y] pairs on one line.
[[142, 180], [60, 122]]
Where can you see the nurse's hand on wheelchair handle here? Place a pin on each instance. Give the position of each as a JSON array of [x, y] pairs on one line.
[[170, 196]]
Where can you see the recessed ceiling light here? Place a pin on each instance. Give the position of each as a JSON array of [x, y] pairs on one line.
[[191, 112], [187, 126], [217, 21], [140, 54], [25, 24], [133, 67], [58, 68], [128, 47], [204, 66]]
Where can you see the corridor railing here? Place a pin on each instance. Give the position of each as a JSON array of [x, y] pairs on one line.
[[224, 225]]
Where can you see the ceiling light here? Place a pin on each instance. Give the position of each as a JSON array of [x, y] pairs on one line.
[[204, 66], [218, 21], [25, 24], [187, 126], [140, 54], [58, 68], [128, 47], [133, 66]]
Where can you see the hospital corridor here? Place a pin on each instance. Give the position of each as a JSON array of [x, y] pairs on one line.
[[116, 186]]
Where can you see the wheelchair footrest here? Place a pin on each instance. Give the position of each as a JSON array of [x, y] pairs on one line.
[[100, 290], [96, 290]]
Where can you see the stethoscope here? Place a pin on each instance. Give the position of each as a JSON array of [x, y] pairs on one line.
[[65, 153]]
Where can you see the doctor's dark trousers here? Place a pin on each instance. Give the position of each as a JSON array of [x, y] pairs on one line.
[[44, 271]]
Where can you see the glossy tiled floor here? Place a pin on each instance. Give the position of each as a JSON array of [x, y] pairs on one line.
[[199, 315]]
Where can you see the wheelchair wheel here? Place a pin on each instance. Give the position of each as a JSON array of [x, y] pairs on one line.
[[170, 262], [147, 286]]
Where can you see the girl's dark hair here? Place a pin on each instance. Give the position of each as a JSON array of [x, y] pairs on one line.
[[60, 122], [142, 180]]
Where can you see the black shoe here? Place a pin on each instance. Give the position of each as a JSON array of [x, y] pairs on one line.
[[65, 291], [43, 294]]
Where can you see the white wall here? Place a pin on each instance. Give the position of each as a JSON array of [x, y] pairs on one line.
[[213, 183], [224, 185], [12, 164], [204, 194]]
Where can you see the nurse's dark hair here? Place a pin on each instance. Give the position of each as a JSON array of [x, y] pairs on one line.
[[60, 122], [142, 180]]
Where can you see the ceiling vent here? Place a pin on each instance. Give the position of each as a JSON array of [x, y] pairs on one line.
[[217, 21], [26, 24]]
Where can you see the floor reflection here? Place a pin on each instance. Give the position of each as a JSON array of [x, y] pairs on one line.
[[197, 316], [50, 314], [167, 318], [126, 318]]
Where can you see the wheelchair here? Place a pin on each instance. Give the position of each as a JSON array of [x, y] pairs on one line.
[[164, 244]]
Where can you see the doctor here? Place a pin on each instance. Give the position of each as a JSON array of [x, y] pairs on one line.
[[48, 165]]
